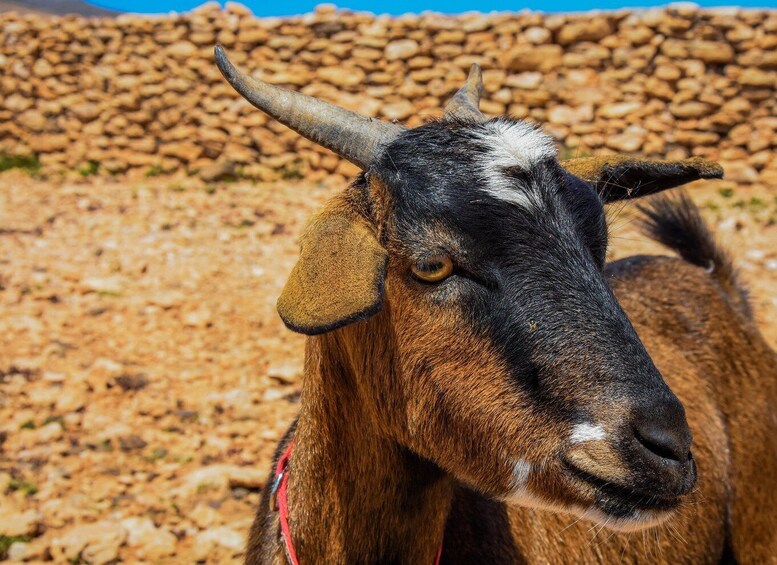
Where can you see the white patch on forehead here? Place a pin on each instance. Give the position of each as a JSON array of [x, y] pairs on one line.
[[516, 144], [587, 432], [512, 144]]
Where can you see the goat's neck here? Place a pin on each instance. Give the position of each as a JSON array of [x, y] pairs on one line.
[[356, 496]]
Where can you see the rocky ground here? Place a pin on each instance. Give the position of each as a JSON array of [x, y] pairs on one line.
[[144, 374]]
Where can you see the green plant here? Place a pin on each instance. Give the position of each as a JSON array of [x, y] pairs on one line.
[[292, 171], [158, 453], [89, 169], [52, 419], [154, 171], [23, 486], [29, 163], [7, 541], [109, 293], [756, 204], [726, 192], [202, 488], [572, 153]]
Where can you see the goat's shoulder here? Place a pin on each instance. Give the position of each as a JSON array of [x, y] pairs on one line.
[[677, 306], [664, 291]]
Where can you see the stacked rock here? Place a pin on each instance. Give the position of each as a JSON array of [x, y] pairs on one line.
[[142, 94]]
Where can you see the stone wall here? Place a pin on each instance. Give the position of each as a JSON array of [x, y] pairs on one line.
[[141, 95]]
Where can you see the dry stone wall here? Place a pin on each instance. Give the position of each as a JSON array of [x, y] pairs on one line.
[[141, 95]]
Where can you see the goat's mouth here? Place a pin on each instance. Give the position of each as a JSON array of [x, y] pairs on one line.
[[627, 507]]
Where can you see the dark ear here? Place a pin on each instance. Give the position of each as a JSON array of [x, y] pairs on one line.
[[340, 274], [621, 177]]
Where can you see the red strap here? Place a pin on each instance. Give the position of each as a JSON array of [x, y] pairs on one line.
[[283, 504], [282, 479]]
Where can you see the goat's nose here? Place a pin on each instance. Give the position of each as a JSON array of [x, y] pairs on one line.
[[663, 431]]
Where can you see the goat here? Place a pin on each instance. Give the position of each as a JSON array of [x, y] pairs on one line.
[[479, 381]]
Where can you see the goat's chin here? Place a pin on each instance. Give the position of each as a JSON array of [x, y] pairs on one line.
[[636, 520]]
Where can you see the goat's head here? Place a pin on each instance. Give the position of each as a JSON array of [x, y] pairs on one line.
[[473, 261]]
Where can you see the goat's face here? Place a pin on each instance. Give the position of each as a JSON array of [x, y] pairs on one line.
[[498, 350], [521, 374]]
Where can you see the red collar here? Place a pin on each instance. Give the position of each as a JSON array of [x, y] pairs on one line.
[[279, 501]]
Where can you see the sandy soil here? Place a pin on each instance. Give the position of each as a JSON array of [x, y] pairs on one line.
[[145, 376]]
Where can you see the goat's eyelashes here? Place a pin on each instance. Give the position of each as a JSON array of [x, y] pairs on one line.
[[432, 268]]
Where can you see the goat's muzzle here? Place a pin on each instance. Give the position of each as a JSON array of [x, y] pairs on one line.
[[640, 471]]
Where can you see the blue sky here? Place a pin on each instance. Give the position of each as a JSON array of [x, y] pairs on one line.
[[289, 7]]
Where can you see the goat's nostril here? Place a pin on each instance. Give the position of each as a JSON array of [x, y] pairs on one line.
[[666, 442]]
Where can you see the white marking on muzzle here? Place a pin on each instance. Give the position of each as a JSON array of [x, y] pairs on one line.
[[587, 432]]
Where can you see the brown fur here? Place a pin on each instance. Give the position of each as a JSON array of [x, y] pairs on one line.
[[485, 410], [340, 257], [378, 404], [739, 371]]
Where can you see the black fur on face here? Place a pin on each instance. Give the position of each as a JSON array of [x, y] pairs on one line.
[[529, 274], [528, 241]]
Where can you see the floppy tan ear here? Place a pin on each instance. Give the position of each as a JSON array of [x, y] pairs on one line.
[[620, 177], [340, 274]]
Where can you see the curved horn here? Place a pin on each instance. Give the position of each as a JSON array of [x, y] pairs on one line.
[[352, 136], [466, 102]]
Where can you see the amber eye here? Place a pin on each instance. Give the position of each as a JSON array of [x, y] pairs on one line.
[[433, 268]]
